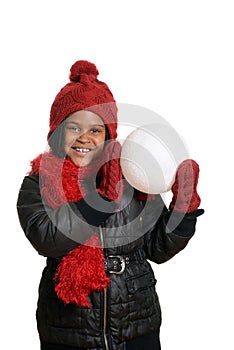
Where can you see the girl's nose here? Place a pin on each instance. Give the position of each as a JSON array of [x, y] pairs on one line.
[[83, 137]]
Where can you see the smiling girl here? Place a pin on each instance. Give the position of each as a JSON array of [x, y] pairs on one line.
[[98, 234]]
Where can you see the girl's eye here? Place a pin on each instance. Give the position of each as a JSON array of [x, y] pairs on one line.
[[73, 128], [95, 131]]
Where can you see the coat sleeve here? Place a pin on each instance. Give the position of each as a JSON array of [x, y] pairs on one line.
[[170, 234], [52, 232]]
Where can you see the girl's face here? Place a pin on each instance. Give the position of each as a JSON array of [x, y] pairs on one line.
[[84, 137]]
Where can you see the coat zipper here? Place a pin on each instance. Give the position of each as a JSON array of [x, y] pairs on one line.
[[104, 299]]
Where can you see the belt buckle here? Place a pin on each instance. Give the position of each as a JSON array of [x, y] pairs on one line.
[[122, 263]]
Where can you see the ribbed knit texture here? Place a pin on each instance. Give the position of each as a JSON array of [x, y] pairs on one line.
[[185, 197], [84, 92]]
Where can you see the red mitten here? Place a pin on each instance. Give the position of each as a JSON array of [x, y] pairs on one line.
[[111, 185], [185, 197]]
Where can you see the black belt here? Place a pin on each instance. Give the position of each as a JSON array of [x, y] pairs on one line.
[[114, 263], [117, 263]]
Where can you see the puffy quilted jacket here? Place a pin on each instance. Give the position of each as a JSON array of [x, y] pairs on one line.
[[136, 233]]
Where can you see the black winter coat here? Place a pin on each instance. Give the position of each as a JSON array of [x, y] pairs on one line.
[[135, 233]]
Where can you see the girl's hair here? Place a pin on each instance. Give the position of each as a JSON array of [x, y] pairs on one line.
[[56, 140]]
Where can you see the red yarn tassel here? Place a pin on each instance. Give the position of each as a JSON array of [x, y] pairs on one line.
[[81, 272]]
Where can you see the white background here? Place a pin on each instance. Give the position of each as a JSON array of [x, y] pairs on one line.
[[174, 57]]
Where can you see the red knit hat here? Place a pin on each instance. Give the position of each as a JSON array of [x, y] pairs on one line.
[[84, 91]]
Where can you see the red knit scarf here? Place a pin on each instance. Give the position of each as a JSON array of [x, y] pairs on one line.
[[81, 271]]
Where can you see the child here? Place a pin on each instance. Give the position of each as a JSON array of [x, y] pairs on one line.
[[97, 290]]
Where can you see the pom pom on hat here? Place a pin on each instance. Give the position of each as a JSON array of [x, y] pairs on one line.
[[84, 92], [82, 67]]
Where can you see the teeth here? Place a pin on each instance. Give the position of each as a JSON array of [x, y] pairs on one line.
[[84, 150]]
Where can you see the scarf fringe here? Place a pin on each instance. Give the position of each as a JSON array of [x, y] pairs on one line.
[[81, 272]]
